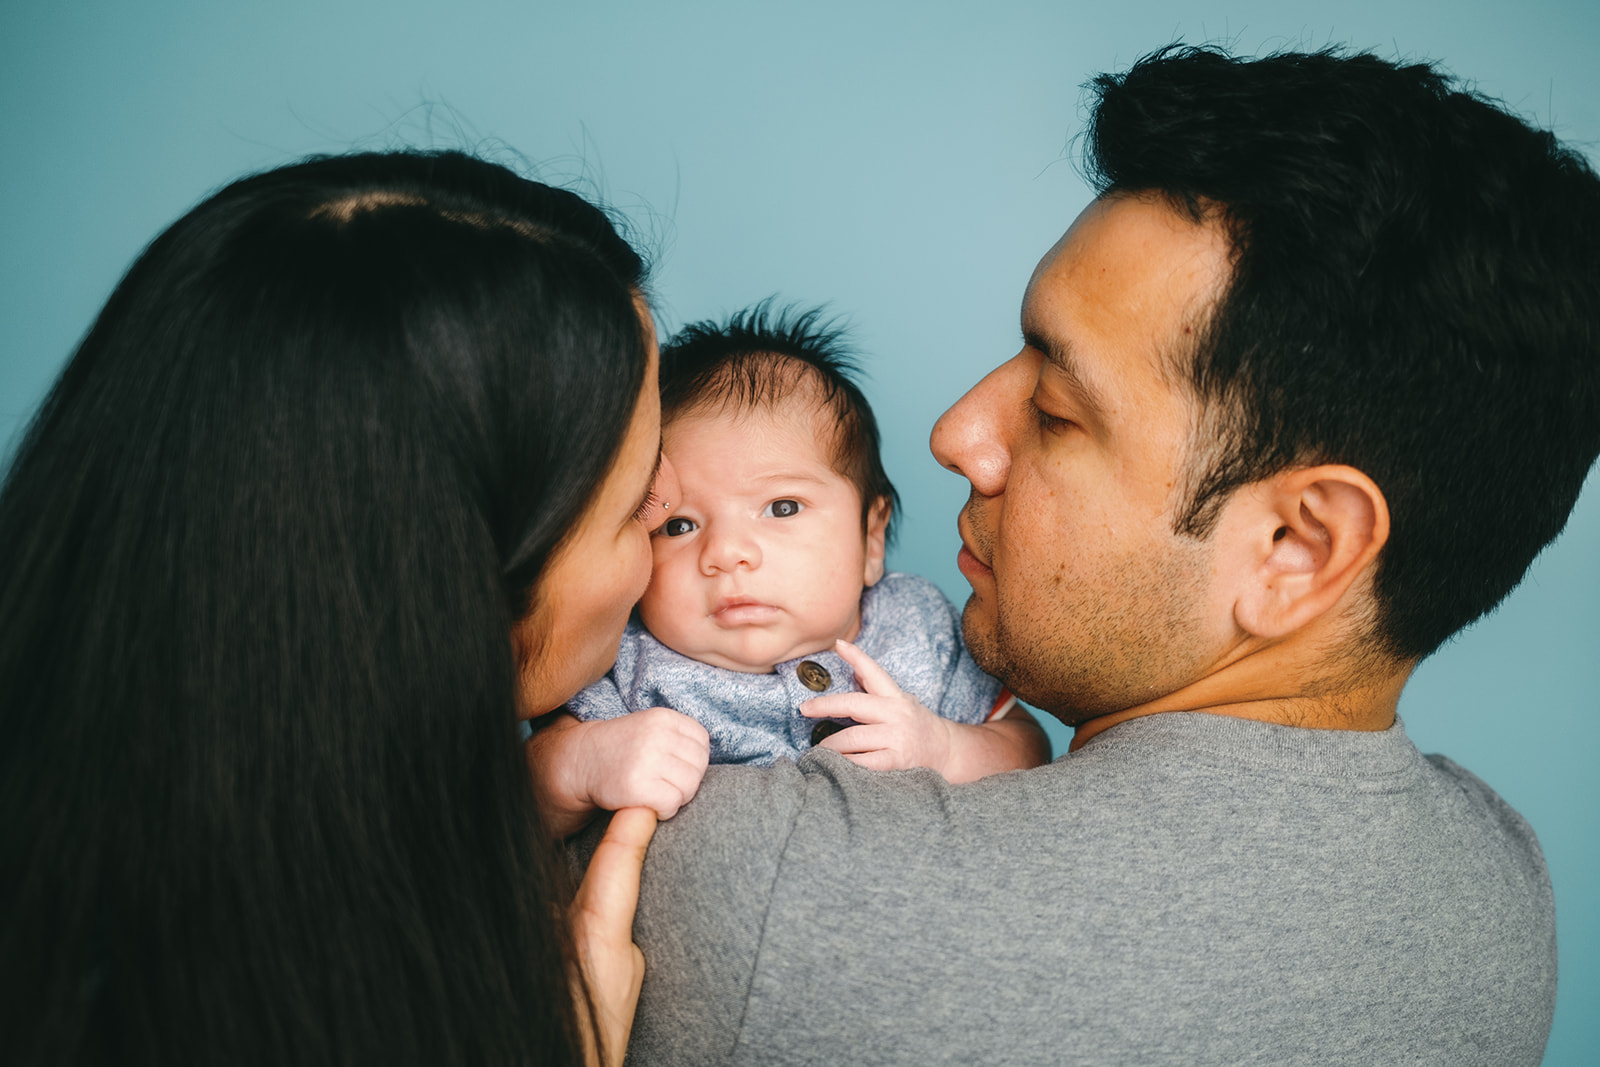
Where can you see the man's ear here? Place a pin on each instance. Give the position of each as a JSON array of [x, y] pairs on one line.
[[877, 537], [1310, 533]]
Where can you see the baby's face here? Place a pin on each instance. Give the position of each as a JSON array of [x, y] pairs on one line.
[[764, 558]]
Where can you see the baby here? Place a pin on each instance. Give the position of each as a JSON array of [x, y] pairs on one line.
[[769, 625]]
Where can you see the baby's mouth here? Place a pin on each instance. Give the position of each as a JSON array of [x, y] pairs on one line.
[[741, 611]]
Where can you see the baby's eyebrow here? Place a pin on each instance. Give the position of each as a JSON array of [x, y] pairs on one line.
[[792, 476]]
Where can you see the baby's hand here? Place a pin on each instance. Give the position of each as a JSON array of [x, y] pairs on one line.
[[895, 730], [653, 758]]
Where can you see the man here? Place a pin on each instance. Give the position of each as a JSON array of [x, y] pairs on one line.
[[1303, 392]]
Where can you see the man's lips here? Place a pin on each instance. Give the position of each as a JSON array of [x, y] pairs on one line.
[[971, 565], [967, 560]]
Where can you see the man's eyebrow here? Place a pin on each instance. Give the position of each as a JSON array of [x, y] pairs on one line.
[[1060, 355]]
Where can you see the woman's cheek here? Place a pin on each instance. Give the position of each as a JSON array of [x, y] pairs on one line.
[[643, 564]]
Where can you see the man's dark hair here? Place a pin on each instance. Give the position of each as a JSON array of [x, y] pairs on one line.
[[1415, 293], [758, 358]]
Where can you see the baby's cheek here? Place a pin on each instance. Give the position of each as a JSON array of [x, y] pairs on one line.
[[834, 597], [667, 562]]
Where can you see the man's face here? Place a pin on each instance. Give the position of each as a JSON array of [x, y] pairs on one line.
[[1084, 601]]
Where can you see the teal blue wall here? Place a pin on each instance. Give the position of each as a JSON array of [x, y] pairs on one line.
[[904, 161]]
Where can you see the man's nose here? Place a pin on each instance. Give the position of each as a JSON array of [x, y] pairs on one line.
[[726, 547], [970, 438]]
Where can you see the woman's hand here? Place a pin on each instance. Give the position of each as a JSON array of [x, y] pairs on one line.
[[602, 933]]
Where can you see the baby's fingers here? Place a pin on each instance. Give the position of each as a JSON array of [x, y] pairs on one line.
[[660, 795], [862, 707], [693, 750], [879, 759], [858, 739], [685, 775], [671, 784], [663, 722], [873, 678], [836, 706]]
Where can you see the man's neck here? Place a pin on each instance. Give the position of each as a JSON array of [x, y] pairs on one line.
[[1368, 704]]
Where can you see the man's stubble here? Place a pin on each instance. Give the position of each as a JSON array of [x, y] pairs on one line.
[[1091, 636]]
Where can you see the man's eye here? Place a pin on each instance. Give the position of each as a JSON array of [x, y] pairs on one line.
[[1046, 420], [783, 509], [676, 527]]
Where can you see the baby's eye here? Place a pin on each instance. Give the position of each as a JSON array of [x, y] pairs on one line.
[[783, 509], [677, 527]]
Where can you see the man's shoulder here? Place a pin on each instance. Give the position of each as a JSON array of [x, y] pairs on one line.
[[1491, 830], [1162, 877], [758, 810], [825, 813]]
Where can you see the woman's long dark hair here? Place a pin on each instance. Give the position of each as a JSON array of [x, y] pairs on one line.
[[261, 554]]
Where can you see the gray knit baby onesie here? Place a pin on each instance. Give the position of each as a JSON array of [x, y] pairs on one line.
[[907, 626]]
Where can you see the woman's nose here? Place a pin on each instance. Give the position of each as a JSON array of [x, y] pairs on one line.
[[971, 439]]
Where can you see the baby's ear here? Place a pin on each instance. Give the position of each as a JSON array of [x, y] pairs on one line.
[[877, 537]]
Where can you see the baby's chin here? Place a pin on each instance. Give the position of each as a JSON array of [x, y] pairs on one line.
[[752, 657]]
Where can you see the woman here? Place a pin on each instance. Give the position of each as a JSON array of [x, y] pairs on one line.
[[353, 471]]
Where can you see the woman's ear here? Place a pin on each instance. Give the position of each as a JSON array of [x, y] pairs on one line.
[[1311, 532], [877, 538]]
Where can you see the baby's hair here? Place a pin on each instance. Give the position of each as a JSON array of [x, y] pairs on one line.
[[762, 356]]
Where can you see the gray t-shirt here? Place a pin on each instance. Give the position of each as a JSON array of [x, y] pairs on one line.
[[1186, 889]]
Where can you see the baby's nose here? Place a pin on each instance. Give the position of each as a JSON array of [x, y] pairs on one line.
[[724, 549]]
